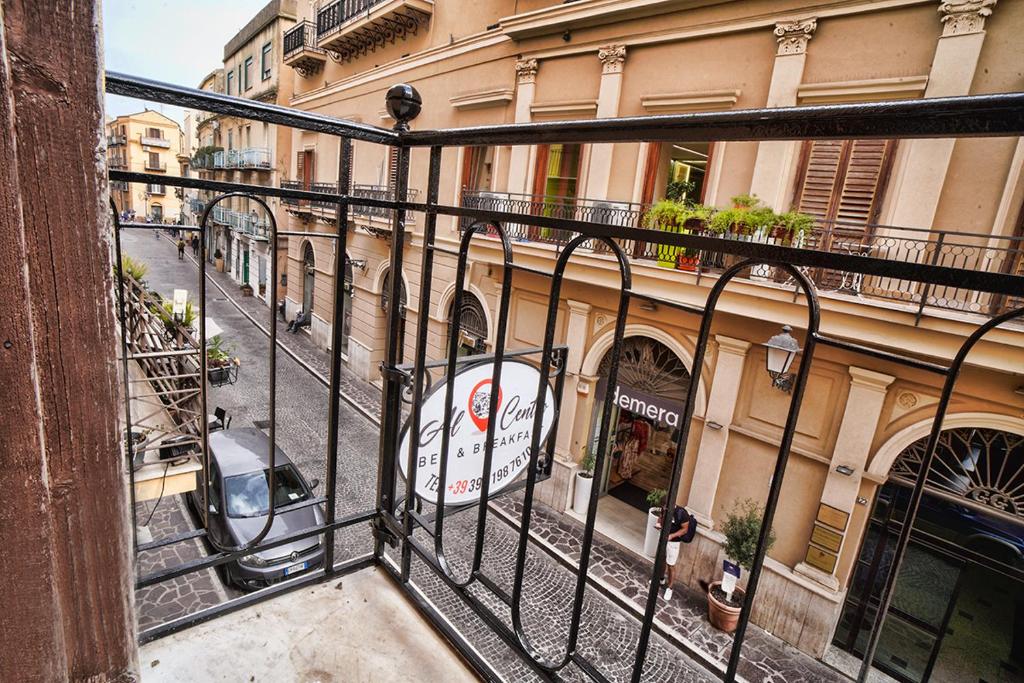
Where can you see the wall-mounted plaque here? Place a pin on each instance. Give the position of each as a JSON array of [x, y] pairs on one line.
[[826, 538], [821, 559], [833, 517]]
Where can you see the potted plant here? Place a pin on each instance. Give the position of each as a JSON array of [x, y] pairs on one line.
[[166, 313], [136, 270], [584, 483], [667, 216], [246, 289], [745, 202], [656, 502], [741, 529], [218, 260], [221, 368]]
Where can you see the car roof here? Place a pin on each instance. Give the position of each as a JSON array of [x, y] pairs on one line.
[[242, 450]]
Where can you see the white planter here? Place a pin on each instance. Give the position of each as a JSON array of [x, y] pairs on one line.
[[581, 494], [651, 534]]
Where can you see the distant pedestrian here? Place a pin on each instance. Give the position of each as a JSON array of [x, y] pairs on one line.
[[181, 249], [195, 246]]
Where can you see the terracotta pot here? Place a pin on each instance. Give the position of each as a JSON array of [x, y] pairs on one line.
[[219, 265], [723, 617]]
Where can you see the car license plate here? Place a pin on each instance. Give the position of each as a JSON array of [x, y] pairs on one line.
[[295, 568]]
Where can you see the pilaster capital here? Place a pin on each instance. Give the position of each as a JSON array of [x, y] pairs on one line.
[[578, 307], [526, 70], [612, 58], [869, 379], [737, 347], [793, 36], [960, 17]]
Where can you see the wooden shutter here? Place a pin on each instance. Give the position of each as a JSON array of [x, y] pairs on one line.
[[300, 158], [392, 169], [843, 180]]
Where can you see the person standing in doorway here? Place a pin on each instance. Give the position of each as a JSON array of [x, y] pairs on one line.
[[682, 529], [181, 249]]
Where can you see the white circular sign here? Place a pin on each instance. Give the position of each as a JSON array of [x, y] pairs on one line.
[[513, 431]]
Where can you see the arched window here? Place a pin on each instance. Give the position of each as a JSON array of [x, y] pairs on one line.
[[472, 336], [308, 277], [651, 367]]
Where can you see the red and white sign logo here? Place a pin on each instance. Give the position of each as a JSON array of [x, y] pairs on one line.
[[513, 431]]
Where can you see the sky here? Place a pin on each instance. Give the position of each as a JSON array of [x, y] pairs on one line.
[[177, 41]]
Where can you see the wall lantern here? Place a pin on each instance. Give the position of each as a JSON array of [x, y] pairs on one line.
[[782, 350], [845, 470]]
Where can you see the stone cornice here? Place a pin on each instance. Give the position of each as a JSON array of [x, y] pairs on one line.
[[897, 88], [684, 102], [526, 70], [497, 97], [793, 36], [564, 108], [738, 347], [961, 17], [612, 57], [869, 379]]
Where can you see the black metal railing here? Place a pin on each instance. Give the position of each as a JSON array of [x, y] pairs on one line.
[[967, 250], [412, 522], [291, 185], [300, 37], [330, 19]]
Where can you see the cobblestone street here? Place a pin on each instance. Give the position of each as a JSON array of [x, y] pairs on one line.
[[683, 646]]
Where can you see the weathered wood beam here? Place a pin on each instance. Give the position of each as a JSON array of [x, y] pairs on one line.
[[66, 610]]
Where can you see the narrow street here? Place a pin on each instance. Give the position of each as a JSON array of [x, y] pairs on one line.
[[608, 634]]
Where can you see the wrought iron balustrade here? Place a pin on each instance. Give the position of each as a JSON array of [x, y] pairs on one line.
[[299, 38], [155, 166], [291, 185], [407, 537], [331, 17], [113, 140]]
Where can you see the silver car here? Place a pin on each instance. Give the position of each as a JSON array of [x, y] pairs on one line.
[[238, 508]]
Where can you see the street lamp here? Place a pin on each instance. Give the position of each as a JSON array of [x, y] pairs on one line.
[[782, 350]]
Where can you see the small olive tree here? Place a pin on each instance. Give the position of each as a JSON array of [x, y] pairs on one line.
[[741, 528]]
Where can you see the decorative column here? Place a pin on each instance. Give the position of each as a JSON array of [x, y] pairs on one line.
[[853, 445], [575, 334], [776, 159], [526, 84], [918, 183], [725, 388], [613, 58]]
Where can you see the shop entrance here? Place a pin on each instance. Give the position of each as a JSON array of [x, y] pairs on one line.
[[957, 612], [644, 424]]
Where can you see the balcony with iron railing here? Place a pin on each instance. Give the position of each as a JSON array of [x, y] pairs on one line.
[[155, 165], [250, 224], [250, 158], [957, 249], [113, 140], [349, 28], [154, 141], [117, 163], [301, 51]]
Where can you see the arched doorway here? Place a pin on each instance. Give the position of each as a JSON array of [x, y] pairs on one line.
[[644, 426], [308, 278], [472, 336], [958, 606], [385, 303]]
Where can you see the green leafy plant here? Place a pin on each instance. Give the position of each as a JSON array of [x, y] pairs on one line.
[[217, 253], [203, 158], [136, 270], [745, 201], [741, 528], [761, 219], [218, 354], [679, 190], [166, 313], [792, 225], [736, 221], [656, 498], [666, 213], [587, 465]]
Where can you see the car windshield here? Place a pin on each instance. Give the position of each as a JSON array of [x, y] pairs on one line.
[[246, 494]]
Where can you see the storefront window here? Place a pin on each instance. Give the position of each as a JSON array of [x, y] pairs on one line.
[[645, 421]]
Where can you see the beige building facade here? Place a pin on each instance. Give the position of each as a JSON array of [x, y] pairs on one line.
[[949, 202], [146, 142], [237, 150]]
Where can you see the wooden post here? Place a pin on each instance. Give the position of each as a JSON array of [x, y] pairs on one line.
[[66, 607]]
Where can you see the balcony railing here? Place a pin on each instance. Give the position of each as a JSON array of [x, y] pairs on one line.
[[973, 251], [248, 158], [117, 163], [154, 141], [291, 185], [116, 140], [301, 51], [155, 166], [248, 223], [349, 28]]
